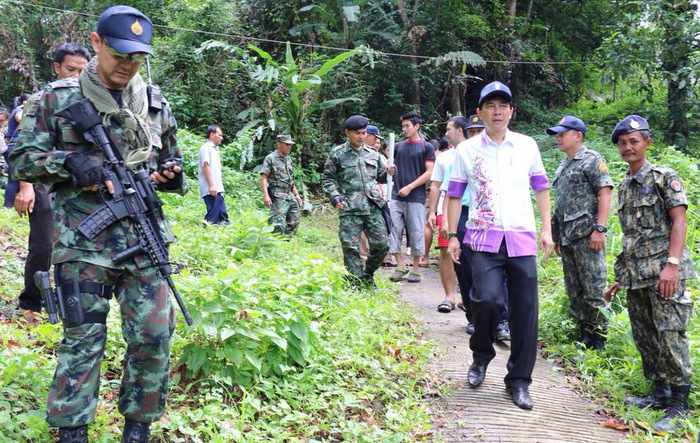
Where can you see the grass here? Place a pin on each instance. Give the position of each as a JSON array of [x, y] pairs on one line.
[[281, 350]]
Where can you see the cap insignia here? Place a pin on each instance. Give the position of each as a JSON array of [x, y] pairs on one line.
[[497, 86], [475, 119], [634, 124], [136, 28]]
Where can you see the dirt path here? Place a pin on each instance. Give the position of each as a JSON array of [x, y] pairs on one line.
[[486, 414]]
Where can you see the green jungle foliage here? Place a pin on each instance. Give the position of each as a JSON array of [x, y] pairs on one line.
[[280, 350]]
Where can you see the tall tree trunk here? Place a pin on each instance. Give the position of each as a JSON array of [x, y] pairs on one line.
[[413, 37], [675, 58]]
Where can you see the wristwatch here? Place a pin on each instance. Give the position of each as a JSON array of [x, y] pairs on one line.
[[451, 235], [600, 228], [673, 261]]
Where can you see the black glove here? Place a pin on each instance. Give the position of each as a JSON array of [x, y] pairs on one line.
[[86, 170], [174, 183]]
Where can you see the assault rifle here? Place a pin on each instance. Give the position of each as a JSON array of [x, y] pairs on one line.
[[134, 198]]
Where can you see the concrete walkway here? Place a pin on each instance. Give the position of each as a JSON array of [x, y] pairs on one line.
[[487, 414]]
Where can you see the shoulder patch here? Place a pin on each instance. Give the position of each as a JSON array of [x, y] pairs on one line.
[[676, 185], [602, 166]]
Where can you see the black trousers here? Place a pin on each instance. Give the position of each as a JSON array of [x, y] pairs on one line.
[[464, 273], [216, 209], [520, 273], [40, 247]]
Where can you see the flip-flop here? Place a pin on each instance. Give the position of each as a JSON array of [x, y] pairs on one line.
[[446, 306]]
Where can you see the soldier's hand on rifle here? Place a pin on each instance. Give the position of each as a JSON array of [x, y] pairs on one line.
[[88, 172], [596, 241], [668, 281], [611, 292], [166, 174], [24, 200]]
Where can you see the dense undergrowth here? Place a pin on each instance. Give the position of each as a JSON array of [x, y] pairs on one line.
[[280, 350], [617, 371]]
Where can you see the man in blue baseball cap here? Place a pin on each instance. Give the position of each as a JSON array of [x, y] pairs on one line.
[[579, 224], [373, 139], [51, 150], [498, 168]]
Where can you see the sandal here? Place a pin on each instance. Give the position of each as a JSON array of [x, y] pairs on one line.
[[446, 306]]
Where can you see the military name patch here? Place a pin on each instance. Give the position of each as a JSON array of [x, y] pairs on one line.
[[676, 185]]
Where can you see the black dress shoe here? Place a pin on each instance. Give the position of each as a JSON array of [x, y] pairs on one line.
[[476, 374], [521, 397]]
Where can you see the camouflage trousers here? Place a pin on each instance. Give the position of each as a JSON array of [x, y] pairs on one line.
[[585, 277], [147, 323], [284, 214], [351, 226], [658, 328]]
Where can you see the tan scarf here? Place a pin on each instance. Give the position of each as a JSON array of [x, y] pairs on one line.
[[135, 148]]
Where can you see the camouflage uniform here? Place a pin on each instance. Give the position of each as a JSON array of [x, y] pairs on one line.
[[577, 182], [352, 174], [658, 325], [143, 297], [284, 212]]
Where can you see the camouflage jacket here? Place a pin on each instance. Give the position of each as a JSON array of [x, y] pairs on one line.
[[353, 174], [39, 155], [280, 175], [577, 182], [644, 200]]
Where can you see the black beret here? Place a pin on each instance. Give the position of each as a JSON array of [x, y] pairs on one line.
[[631, 123], [356, 122]]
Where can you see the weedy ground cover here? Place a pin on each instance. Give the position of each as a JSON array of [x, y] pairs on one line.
[[280, 350]]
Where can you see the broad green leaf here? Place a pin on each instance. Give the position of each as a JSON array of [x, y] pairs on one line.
[[335, 61]]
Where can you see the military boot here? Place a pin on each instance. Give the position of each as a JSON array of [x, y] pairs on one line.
[[135, 432], [676, 410], [585, 336], [656, 400], [597, 340], [73, 435]]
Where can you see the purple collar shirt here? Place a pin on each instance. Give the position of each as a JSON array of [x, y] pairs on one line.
[[499, 178]]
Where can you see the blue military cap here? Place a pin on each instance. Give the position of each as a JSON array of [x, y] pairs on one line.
[[567, 123], [125, 29], [373, 130], [475, 122], [495, 89], [356, 122], [631, 123]]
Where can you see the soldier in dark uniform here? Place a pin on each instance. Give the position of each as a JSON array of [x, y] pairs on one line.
[[653, 268], [50, 150], [583, 192], [350, 178]]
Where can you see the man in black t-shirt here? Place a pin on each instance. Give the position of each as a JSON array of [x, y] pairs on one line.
[[413, 162]]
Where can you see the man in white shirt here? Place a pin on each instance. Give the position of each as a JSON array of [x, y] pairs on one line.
[[211, 185], [500, 166]]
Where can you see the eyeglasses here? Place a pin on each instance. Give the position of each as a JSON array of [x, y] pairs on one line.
[[139, 57]]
